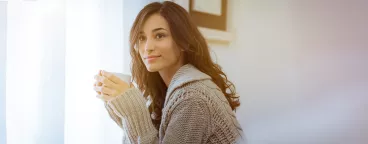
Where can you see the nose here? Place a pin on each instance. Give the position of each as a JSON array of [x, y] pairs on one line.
[[149, 46]]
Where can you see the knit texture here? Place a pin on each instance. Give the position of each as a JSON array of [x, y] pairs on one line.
[[195, 111]]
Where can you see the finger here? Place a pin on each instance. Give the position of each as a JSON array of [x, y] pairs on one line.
[[94, 85], [112, 77], [97, 83], [104, 90], [98, 92], [99, 89], [105, 81], [100, 97], [100, 72]]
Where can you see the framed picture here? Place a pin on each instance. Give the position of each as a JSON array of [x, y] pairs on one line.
[[209, 14], [211, 18]]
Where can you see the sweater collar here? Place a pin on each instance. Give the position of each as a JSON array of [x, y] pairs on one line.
[[186, 74]]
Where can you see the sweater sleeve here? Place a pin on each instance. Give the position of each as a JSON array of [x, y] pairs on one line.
[[190, 122], [113, 116], [129, 111]]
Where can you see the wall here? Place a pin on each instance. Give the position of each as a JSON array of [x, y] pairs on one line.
[[300, 68]]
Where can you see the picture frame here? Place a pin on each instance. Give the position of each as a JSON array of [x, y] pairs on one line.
[[209, 14], [213, 34]]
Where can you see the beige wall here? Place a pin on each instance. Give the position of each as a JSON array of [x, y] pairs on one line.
[[300, 68]]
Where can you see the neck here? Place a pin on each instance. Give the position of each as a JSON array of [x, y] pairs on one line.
[[168, 74]]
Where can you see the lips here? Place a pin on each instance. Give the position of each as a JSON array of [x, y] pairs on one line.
[[150, 59]]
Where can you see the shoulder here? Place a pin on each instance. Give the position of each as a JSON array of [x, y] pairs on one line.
[[190, 84], [197, 91], [193, 90]]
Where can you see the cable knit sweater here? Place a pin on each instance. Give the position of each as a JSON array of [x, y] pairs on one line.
[[195, 111]]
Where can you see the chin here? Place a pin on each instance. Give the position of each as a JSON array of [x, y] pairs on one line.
[[153, 67]]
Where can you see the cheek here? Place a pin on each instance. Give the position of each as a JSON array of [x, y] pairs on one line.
[[169, 51]]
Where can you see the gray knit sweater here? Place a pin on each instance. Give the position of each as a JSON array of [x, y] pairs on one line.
[[195, 111]]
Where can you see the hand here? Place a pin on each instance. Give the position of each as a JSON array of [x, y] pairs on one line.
[[108, 86]]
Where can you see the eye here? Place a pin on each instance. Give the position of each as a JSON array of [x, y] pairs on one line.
[[160, 36], [141, 38]]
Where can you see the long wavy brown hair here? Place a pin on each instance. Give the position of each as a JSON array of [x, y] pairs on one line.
[[196, 52]]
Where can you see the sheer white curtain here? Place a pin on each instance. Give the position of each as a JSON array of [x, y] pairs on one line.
[[3, 17], [96, 32], [35, 72], [54, 48], [94, 40]]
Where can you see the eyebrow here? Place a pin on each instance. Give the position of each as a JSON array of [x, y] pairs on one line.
[[157, 29], [154, 30]]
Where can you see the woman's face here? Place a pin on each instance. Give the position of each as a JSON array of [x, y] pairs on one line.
[[156, 45]]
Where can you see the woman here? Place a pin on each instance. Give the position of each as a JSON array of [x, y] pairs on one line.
[[189, 98]]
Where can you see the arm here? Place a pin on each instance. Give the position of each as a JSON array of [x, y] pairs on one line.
[[129, 111], [190, 122]]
